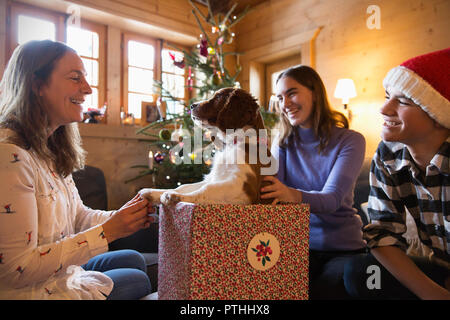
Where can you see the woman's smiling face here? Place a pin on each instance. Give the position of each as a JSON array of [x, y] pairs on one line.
[[65, 91], [296, 102]]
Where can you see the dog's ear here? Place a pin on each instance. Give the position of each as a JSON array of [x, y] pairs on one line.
[[239, 110]]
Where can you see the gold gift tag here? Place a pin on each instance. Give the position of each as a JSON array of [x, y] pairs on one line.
[[263, 251]]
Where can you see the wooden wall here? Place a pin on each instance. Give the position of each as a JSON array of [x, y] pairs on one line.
[[346, 47], [115, 149]]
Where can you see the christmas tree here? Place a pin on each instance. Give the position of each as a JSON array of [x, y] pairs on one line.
[[206, 74]]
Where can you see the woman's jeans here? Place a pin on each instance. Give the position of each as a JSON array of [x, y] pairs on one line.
[[127, 269]]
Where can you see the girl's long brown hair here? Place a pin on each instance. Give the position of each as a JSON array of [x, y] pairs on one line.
[[324, 118], [22, 109]]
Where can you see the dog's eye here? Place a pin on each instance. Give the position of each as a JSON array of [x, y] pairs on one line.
[[212, 120]]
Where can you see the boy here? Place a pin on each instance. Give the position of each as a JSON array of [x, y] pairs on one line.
[[410, 171]]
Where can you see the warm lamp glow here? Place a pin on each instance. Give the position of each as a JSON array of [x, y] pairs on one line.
[[345, 89]]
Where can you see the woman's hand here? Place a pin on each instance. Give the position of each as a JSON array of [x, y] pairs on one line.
[[130, 218], [280, 192]]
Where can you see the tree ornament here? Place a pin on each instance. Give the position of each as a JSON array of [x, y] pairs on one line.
[[227, 36], [159, 157], [204, 48], [180, 64], [216, 79], [164, 134], [189, 83]]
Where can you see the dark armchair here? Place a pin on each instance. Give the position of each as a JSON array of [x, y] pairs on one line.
[[91, 186]]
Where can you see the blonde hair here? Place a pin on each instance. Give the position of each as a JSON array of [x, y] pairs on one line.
[[324, 118], [22, 109]]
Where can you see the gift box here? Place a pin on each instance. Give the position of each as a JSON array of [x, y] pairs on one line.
[[251, 252]]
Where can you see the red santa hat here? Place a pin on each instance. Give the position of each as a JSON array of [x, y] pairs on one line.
[[426, 81]]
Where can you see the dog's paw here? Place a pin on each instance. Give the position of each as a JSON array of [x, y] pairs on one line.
[[170, 198], [147, 193]]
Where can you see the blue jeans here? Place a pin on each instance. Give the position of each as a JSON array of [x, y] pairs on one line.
[[127, 270], [326, 274]]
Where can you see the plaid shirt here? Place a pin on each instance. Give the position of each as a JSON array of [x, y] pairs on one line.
[[396, 182]]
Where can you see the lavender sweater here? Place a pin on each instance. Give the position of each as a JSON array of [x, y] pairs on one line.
[[327, 181]]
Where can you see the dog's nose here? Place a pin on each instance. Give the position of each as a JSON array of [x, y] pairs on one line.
[[194, 105]]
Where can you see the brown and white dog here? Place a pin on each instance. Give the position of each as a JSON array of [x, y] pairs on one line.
[[230, 181]]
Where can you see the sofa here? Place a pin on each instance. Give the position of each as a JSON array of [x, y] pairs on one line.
[[91, 186], [361, 191]]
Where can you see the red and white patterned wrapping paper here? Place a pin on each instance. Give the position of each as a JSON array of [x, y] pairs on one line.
[[203, 252]]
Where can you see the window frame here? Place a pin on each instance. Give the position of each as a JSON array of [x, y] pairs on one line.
[[101, 31], [187, 93], [60, 19], [126, 37], [159, 45], [14, 9]]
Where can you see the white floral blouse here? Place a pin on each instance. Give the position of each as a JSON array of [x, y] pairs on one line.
[[46, 233]]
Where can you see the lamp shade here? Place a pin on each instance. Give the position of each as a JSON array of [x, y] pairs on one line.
[[345, 89]]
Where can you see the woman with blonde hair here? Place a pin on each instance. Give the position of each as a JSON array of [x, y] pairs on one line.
[[51, 245], [319, 162]]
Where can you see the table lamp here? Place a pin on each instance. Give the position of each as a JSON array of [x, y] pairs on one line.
[[345, 89]]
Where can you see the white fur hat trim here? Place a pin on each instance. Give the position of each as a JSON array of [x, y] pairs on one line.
[[421, 92]]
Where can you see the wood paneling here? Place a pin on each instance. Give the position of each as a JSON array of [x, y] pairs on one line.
[[167, 19], [224, 6], [114, 75], [170, 15], [115, 149]]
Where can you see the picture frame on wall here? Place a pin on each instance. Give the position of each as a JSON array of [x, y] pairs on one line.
[[149, 113]]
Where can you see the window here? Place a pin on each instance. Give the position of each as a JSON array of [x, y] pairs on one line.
[[32, 23], [29, 28], [86, 41], [173, 78], [139, 73], [142, 59], [146, 60]]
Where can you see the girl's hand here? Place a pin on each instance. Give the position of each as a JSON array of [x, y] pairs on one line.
[[130, 218], [280, 192]]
